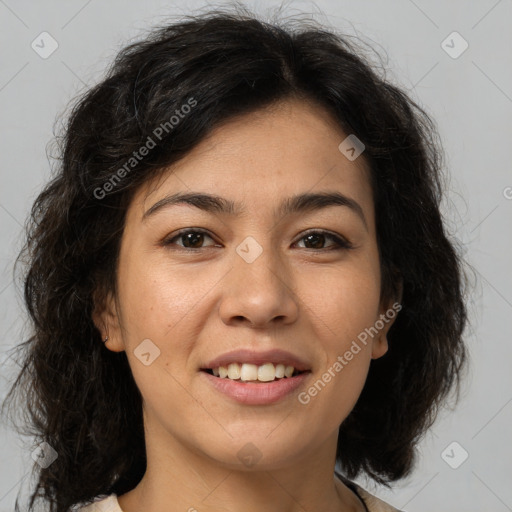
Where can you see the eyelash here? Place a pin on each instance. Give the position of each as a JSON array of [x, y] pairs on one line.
[[340, 243]]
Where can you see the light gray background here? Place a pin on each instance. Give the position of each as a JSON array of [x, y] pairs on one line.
[[470, 97]]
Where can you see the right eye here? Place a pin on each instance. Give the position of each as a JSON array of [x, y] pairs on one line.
[[190, 237]]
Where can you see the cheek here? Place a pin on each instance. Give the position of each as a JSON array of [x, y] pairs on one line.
[[157, 296], [336, 387], [342, 305], [343, 301]]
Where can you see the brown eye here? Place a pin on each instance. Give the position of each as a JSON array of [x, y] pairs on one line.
[[192, 239], [317, 239]]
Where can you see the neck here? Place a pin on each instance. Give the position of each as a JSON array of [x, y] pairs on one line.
[[179, 478]]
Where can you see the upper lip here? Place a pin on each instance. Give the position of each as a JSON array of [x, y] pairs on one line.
[[274, 356]]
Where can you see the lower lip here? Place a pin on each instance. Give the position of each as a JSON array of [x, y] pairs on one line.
[[253, 393]]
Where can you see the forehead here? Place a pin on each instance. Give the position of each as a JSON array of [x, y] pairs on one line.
[[259, 158]]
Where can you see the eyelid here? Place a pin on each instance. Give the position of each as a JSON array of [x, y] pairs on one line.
[[340, 242], [344, 243], [168, 239]]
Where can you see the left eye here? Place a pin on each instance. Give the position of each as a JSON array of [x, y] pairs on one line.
[[315, 236], [194, 237]]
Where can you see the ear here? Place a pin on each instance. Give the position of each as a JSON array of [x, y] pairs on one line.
[[387, 316], [106, 319]]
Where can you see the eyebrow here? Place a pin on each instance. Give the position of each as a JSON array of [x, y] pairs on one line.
[[301, 203]]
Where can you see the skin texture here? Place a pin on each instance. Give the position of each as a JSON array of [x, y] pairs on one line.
[[197, 305]]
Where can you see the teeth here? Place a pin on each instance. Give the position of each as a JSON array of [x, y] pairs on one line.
[[280, 369], [266, 372], [250, 372], [234, 371]]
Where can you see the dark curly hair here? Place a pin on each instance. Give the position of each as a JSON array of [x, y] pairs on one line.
[[82, 399]]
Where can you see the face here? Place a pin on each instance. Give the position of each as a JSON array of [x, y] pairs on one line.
[[305, 281]]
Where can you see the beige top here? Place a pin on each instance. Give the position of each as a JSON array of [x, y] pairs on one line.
[[373, 504]]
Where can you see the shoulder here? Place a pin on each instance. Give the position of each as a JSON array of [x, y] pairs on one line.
[[102, 504], [373, 504]]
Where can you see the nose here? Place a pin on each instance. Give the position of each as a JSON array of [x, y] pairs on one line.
[[260, 293]]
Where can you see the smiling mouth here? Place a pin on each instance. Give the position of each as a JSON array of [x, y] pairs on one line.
[[254, 374]]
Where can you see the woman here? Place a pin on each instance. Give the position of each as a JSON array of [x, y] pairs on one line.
[[238, 278]]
